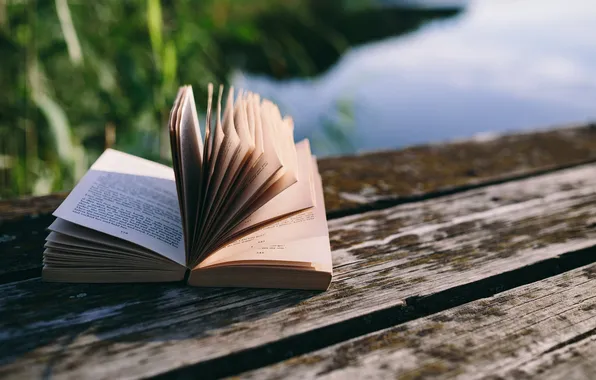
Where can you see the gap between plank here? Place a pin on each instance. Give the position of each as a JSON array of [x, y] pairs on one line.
[[414, 308], [571, 341]]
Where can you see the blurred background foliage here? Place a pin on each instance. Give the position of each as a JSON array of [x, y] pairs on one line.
[[80, 76]]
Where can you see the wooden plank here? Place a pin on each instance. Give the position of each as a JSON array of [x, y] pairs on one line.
[[367, 179], [364, 181], [27, 207], [374, 180], [544, 330], [380, 259]]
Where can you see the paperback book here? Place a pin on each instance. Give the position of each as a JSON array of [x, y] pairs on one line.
[[242, 206]]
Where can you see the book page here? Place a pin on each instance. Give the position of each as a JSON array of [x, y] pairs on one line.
[[282, 198], [190, 148], [263, 165], [309, 253], [281, 136], [208, 127], [206, 170], [232, 169], [129, 198], [70, 233], [214, 161], [297, 196], [227, 152], [246, 147], [173, 131], [303, 237]]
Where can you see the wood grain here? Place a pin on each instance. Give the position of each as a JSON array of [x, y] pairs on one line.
[[361, 182], [544, 330], [356, 182], [381, 258]]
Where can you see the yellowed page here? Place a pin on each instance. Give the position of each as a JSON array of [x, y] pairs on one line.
[[296, 197], [289, 196], [208, 126], [241, 121], [309, 252], [278, 142], [215, 161], [129, 198], [246, 148], [302, 237], [276, 151], [236, 162], [265, 164], [287, 130], [271, 117], [255, 109], [227, 152], [277, 138], [191, 160], [173, 130], [248, 120]]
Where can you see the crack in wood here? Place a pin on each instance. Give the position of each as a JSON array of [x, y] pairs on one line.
[[499, 337], [414, 308], [568, 342]]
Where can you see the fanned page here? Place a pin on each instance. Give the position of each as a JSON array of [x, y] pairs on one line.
[[301, 225], [244, 207], [293, 252], [261, 218], [235, 126], [250, 159], [187, 155]]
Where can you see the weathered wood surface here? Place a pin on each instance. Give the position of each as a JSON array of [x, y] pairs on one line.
[[373, 180], [544, 330], [30, 207], [367, 179], [381, 259]]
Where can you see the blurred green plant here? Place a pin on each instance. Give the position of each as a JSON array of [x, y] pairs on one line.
[[80, 76]]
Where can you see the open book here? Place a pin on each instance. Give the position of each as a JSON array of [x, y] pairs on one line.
[[242, 207]]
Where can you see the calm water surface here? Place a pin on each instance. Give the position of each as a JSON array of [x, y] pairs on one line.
[[502, 65]]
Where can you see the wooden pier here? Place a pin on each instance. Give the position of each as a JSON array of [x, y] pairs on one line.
[[474, 259]]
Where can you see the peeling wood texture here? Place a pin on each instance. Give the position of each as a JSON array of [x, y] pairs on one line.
[[381, 260], [544, 330], [368, 179]]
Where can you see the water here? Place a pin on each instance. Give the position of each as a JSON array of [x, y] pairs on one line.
[[503, 65]]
